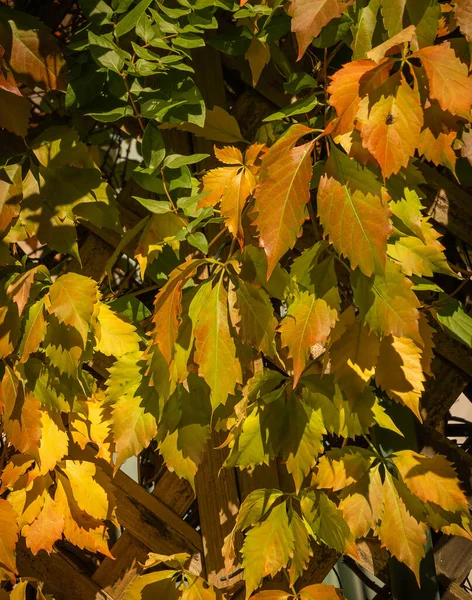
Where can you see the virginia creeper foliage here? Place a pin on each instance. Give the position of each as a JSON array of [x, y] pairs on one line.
[[297, 280]]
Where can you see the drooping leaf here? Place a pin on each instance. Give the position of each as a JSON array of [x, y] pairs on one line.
[[387, 303], [267, 548], [309, 321], [9, 537], [321, 591], [282, 193], [46, 529], [347, 188], [452, 316], [71, 299], [54, 441], [115, 336], [35, 330]]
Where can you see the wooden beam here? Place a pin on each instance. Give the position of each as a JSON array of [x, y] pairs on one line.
[[453, 558], [455, 592]]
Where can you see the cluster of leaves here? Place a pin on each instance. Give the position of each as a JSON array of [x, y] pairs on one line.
[[294, 338]]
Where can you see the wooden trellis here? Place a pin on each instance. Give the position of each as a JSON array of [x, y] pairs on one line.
[[157, 521]]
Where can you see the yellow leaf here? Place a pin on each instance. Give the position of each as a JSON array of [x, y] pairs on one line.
[[354, 357], [267, 548], [71, 299], [8, 537], [341, 467], [258, 56], [115, 335], [94, 426], [321, 591], [432, 479], [90, 496], [54, 441], [219, 126], [28, 501], [358, 514], [160, 230], [399, 532], [400, 372]]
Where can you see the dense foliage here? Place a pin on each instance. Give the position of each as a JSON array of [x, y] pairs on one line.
[[299, 280]]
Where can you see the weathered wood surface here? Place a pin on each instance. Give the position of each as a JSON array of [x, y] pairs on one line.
[[455, 592], [453, 558]]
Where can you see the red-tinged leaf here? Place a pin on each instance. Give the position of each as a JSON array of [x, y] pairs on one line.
[[168, 308], [321, 591], [46, 529], [399, 532], [400, 39], [31, 51], [348, 85], [432, 479], [71, 299], [8, 537], [463, 16], [215, 350], [387, 303], [352, 191], [449, 81], [19, 289], [14, 113], [282, 193], [390, 126], [309, 321], [310, 16]]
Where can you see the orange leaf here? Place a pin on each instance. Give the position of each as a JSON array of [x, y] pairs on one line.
[[390, 127], [309, 321], [436, 139], [282, 193], [46, 529], [449, 80], [401, 38], [352, 191], [168, 308], [310, 16], [19, 289], [321, 591]]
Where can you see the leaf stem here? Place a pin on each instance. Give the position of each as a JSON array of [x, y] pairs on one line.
[[133, 103]]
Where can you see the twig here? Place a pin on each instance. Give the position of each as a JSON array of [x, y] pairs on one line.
[[133, 103]]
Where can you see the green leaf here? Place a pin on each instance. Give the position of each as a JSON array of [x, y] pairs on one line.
[[199, 241], [153, 146], [107, 54], [299, 107], [112, 115], [131, 18], [175, 161], [157, 207], [452, 316], [255, 506]]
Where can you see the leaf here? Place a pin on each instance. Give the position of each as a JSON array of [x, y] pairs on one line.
[[168, 308], [400, 372], [267, 548], [390, 126], [320, 591], [14, 112], [418, 257], [258, 56], [357, 513], [133, 419], [31, 50], [399, 532], [35, 330], [106, 54], [282, 193], [128, 22], [398, 40], [253, 316], [347, 188], [342, 467], [462, 14], [272, 595], [90, 496], [309, 321], [392, 13], [452, 316], [153, 146], [449, 81], [9, 537], [255, 506], [432, 479], [309, 17], [326, 521], [232, 185], [215, 350], [93, 427], [115, 335], [219, 126], [71, 299], [46, 529], [354, 358], [300, 107], [161, 229], [302, 551], [63, 347], [387, 304], [54, 441], [160, 584]]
